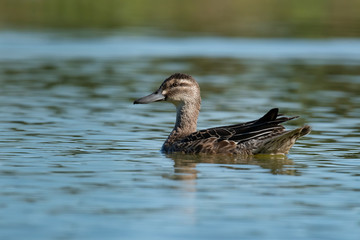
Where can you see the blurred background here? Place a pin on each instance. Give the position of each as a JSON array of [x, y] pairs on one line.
[[79, 161], [245, 18]]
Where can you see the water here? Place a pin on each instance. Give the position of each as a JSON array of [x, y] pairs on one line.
[[80, 161]]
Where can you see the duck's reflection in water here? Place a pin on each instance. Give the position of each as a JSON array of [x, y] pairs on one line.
[[185, 164]]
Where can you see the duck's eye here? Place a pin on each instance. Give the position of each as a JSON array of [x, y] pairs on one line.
[[174, 85]]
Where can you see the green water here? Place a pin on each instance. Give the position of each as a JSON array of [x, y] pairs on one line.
[[80, 161]]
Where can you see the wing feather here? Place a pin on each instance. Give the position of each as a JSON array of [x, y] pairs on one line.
[[267, 125]]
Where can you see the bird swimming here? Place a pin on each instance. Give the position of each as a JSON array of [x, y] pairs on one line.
[[262, 136]]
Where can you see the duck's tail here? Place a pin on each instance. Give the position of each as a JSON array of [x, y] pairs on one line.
[[281, 144]]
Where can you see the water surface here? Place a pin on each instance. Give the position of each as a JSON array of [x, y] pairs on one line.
[[80, 161]]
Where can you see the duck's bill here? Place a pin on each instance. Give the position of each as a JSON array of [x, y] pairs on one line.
[[154, 97]]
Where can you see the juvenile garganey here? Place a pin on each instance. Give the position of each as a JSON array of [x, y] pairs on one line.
[[262, 136]]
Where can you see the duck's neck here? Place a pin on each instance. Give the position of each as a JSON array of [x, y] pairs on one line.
[[186, 120]]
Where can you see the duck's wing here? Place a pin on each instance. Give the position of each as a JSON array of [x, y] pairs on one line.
[[266, 126]]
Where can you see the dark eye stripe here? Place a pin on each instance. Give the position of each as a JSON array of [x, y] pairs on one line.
[[179, 85], [184, 84]]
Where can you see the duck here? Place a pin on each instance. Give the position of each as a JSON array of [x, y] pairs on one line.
[[265, 135]]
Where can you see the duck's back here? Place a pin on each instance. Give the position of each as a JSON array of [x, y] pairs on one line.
[[264, 135]]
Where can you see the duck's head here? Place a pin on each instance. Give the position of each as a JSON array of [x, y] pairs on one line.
[[178, 89]]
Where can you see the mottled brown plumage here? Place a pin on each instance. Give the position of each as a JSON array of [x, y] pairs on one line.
[[264, 135]]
